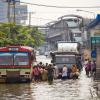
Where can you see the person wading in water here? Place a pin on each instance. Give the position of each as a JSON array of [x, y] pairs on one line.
[[50, 74]]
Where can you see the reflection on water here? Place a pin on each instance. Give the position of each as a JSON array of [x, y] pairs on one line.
[[15, 92], [60, 90]]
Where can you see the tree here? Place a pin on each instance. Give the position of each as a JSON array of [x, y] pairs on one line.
[[17, 34]]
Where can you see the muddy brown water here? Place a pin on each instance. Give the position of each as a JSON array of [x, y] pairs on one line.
[[79, 89]]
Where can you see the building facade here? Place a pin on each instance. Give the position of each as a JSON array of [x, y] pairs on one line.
[[66, 28], [94, 31], [94, 26], [3, 12], [17, 13]]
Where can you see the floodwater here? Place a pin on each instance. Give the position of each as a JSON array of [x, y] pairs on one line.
[[80, 89]]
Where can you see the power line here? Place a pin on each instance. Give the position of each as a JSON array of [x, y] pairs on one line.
[[54, 6], [58, 6]]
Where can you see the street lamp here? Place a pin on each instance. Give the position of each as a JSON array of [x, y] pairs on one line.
[[87, 12]]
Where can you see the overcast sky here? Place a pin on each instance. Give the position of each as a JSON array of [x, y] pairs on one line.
[[43, 15]]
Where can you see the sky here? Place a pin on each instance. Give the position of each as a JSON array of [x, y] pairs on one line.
[[43, 15]]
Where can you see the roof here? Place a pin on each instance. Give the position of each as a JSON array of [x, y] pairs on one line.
[[70, 15], [54, 35], [94, 22]]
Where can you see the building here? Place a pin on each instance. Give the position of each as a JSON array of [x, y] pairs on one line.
[[94, 31], [17, 13], [66, 28], [44, 47], [3, 12], [94, 26], [57, 32], [21, 14], [75, 24]]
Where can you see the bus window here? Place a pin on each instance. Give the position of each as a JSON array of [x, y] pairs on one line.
[[6, 58], [21, 59]]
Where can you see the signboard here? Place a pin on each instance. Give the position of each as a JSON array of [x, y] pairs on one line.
[[93, 54], [95, 39], [13, 49], [95, 42]]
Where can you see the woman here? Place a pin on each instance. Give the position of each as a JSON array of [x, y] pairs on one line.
[[64, 72], [88, 68], [44, 74], [75, 72], [55, 71], [36, 73]]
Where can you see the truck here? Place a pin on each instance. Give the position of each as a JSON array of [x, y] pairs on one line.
[[67, 53]]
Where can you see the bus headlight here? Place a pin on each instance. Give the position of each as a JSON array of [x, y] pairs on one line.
[[27, 72]]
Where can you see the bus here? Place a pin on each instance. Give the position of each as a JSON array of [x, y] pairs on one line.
[[16, 63], [68, 53]]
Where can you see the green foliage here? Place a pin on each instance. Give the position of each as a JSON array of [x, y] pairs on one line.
[[17, 34]]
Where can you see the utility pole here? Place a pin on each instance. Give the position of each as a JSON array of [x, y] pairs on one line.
[[11, 2], [8, 14], [14, 20], [30, 17]]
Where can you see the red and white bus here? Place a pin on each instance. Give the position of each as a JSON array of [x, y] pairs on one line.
[[16, 63]]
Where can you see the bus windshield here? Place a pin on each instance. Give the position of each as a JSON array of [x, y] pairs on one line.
[[65, 59], [14, 58]]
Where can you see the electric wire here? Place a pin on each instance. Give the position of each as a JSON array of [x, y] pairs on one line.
[[53, 6], [58, 6]]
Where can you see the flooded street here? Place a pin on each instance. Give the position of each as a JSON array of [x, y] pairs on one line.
[[66, 90], [80, 89]]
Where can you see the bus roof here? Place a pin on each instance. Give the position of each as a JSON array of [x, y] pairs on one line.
[[17, 48]]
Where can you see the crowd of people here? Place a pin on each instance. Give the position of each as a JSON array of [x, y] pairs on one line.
[[43, 72], [70, 73], [49, 72], [90, 67]]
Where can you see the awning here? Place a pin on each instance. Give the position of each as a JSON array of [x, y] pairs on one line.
[[94, 22]]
